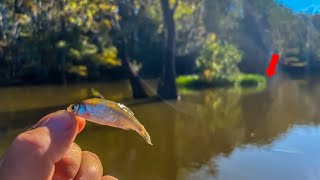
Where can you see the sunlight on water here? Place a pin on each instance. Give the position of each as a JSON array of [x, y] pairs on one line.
[[285, 158], [302, 6]]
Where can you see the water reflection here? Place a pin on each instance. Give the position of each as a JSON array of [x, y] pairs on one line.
[[209, 134], [294, 155]]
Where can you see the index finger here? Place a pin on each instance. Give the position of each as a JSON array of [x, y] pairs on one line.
[[81, 123]]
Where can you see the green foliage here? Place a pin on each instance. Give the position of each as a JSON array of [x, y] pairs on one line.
[[190, 81], [218, 60], [79, 70], [187, 79], [49, 39], [224, 17], [244, 80], [108, 57], [40, 40], [240, 80], [196, 82], [188, 18], [190, 27], [184, 9]]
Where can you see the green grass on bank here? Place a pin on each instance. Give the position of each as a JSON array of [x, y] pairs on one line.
[[249, 80], [242, 80]]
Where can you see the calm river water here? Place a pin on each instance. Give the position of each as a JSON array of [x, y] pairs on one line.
[[218, 134]]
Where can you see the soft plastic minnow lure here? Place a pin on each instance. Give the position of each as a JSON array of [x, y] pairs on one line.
[[105, 112]]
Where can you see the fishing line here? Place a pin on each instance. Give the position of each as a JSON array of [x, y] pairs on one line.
[[145, 83]]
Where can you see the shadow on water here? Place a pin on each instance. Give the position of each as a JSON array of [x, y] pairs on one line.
[[208, 134]]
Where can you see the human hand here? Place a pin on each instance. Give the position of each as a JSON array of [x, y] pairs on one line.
[[48, 152]]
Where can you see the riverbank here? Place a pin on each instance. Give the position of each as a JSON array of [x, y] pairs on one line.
[[242, 80]]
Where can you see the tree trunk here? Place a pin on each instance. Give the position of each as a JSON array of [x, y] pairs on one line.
[[136, 85], [167, 88]]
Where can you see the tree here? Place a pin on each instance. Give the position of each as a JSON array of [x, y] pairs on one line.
[[178, 13], [167, 88], [53, 38], [218, 60], [122, 36]]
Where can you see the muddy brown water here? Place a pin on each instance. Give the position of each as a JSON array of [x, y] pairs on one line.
[[218, 134]]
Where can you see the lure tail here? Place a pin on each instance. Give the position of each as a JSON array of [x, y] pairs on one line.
[[145, 135]]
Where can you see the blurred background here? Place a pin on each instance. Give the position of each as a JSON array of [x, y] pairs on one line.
[[192, 71]]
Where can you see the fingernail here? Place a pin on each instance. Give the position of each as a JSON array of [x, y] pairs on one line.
[[60, 121]]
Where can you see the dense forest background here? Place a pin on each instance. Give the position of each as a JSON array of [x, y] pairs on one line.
[[63, 41]]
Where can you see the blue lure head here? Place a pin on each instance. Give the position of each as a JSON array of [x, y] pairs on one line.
[[78, 109]]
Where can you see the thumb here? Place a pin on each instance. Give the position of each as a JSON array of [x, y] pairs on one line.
[[32, 154]]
